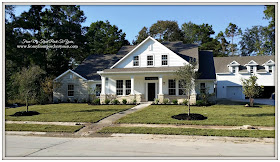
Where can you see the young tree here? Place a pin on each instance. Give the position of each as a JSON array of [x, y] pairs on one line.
[[186, 76], [233, 31], [251, 88], [28, 81]]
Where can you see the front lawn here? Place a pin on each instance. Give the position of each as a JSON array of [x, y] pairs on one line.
[[191, 131], [42, 128], [66, 112], [226, 115]]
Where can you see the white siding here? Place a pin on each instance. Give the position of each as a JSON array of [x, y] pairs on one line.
[[157, 50]]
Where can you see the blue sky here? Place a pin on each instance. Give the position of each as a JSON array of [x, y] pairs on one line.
[[131, 19]]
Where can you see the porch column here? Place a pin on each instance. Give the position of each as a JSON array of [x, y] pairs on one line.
[[132, 85], [103, 85], [160, 85]]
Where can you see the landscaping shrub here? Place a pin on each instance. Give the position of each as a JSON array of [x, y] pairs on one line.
[[96, 101], [107, 101], [124, 101], [76, 100], [84, 100], [59, 100], [115, 102], [68, 100], [175, 101], [185, 102], [199, 103], [156, 101], [134, 101], [165, 101]]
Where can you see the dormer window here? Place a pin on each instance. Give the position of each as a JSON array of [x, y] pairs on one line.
[[270, 68], [234, 67], [136, 61], [251, 69]]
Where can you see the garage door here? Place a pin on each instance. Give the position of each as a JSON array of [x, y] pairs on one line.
[[234, 92]]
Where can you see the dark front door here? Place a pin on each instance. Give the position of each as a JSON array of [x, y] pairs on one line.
[[151, 91]]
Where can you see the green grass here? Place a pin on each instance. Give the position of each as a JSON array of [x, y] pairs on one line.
[[226, 115], [191, 131], [42, 128], [66, 112]]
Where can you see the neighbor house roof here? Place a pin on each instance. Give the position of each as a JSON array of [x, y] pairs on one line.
[[222, 62], [97, 62], [206, 65]]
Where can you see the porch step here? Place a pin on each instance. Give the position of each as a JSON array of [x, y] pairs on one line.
[[149, 102]]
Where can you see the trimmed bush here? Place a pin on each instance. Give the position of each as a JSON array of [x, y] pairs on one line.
[[115, 102], [165, 101], [76, 100], [199, 103], [96, 101], [156, 101], [107, 101], [68, 100], [124, 101], [134, 101], [175, 101], [185, 102]]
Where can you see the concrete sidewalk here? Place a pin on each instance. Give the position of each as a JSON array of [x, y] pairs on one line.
[[91, 129]]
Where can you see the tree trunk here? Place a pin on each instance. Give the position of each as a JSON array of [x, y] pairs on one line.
[[189, 112], [26, 101], [251, 102], [232, 46]]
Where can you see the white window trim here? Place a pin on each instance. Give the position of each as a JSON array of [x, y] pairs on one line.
[[172, 88], [167, 59], [71, 90], [123, 88], [138, 61], [153, 60]]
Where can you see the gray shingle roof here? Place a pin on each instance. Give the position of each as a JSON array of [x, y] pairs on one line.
[[222, 62], [97, 62], [206, 65]]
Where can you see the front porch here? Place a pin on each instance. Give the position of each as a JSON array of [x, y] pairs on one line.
[[142, 87]]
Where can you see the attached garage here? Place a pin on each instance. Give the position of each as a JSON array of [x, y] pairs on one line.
[[235, 92]]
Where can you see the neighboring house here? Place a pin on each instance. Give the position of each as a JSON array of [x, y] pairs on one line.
[[230, 70], [143, 72]]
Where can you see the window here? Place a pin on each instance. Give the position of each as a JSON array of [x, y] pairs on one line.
[[202, 88], [119, 87], [150, 60], [136, 61], [171, 87], [181, 88], [98, 89], [164, 60], [127, 87], [233, 69], [270, 69], [251, 69], [150, 47], [70, 90], [71, 76]]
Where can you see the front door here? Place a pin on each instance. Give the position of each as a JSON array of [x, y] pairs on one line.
[[151, 91]]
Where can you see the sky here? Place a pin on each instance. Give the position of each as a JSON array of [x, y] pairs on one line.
[[131, 19]]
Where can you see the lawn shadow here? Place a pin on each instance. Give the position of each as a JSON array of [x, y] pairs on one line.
[[258, 115], [97, 110]]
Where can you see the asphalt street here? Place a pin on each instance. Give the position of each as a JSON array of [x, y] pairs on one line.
[[135, 147]]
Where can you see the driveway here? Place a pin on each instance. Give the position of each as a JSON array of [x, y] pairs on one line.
[[121, 146], [260, 101]]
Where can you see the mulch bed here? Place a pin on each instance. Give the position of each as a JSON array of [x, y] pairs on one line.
[[26, 113], [189, 117]]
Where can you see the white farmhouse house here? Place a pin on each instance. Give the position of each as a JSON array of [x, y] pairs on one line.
[[230, 70], [143, 72], [146, 72]]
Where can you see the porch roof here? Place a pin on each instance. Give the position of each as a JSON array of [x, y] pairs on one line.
[[142, 69]]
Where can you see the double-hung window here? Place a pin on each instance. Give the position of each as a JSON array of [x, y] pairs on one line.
[[233, 69], [171, 87], [150, 60], [181, 88], [119, 87], [70, 90], [164, 60], [251, 69], [127, 87], [136, 61], [202, 88]]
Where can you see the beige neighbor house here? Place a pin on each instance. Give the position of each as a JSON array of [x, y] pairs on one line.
[[144, 72]]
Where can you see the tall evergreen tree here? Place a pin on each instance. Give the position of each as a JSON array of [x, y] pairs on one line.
[[233, 31], [142, 35], [270, 29]]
